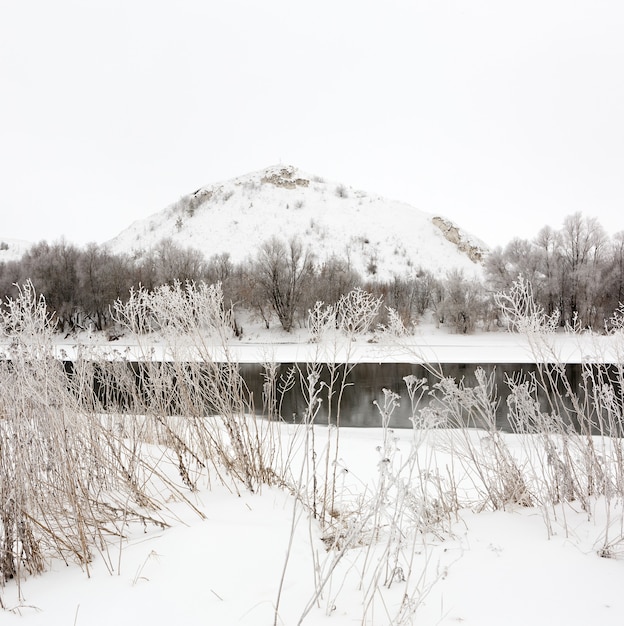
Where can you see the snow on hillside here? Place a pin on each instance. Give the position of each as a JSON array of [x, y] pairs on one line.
[[379, 237], [12, 249]]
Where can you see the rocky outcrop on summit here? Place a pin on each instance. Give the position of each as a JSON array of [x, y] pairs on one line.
[[285, 177]]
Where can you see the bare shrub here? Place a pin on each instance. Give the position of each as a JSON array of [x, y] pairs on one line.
[[342, 191], [67, 483], [334, 328], [200, 383], [578, 455]]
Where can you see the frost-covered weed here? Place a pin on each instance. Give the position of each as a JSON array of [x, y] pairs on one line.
[[89, 438]]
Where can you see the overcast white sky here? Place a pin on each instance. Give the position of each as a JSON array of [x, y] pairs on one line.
[[503, 116]]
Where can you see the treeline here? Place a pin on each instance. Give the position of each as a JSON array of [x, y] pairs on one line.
[[80, 284], [279, 285], [577, 270]]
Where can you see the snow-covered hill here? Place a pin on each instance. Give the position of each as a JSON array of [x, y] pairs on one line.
[[13, 249], [377, 236]]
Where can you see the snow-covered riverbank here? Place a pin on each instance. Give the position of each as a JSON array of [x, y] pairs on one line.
[[427, 345], [488, 568]]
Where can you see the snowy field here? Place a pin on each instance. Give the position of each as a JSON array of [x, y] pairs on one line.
[[487, 568]]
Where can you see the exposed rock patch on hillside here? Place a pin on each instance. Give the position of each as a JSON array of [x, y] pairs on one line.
[[454, 235]]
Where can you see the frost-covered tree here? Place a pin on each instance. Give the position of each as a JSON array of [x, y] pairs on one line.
[[464, 302], [571, 270], [583, 242], [551, 282]]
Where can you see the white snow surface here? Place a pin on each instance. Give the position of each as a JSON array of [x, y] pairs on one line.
[[13, 249], [493, 568], [330, 218], [427, 344]]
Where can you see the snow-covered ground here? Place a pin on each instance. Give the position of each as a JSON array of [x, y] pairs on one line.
[[522, 565], [489, 568], [427, 344]]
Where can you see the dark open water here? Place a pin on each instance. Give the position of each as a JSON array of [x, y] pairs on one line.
[[367, 381]]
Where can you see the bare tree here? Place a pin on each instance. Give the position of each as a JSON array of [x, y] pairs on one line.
[[520, 257], [333, 279], [52, 269], [174, 263], [102, 278], [617, 262], [410, 296], [582, 244], [552, 280], [283, 271]]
